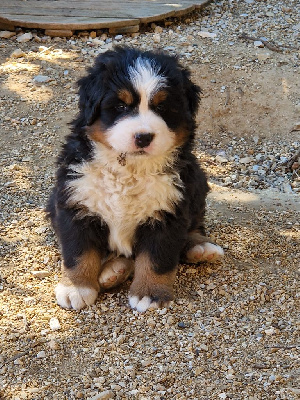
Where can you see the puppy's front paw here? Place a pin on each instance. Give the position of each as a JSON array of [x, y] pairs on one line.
[[205, 252], [146, 302], [77, 297], [144, 298]]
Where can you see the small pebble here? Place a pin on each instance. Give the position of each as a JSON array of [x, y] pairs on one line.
[[54, 324], [258, 43], [26, 37], [41, 79], [41, 354], [106, 395], [207, 34], [156, 38], [53, 345], [18, 53], [6, 34], [182, 325], [41, 274]]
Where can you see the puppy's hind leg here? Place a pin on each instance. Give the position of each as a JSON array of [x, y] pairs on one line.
[[200, 248], [115, 271]]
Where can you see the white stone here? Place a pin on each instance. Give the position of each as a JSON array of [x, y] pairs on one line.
[[98, 42], [54, 324], [246, 160], [258, 43], [26, 37], [41, 79], [210, 35], [106, 395], [156, 38], [41, 354]]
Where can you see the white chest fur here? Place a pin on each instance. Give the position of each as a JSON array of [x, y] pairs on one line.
[[124, 196]]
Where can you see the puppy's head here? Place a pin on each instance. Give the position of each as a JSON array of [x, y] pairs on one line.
[[138, 103]]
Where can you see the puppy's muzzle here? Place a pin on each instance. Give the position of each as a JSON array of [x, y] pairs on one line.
[[143, 140]]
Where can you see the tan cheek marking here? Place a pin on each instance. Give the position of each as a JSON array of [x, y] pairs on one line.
[[86, 271], [159, 97], [125, 96], [181, 137], [97, 133], [148, 283]]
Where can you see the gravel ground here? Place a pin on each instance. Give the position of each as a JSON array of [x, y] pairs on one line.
[[233, 330]]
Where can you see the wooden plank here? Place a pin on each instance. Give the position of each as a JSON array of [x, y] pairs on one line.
[[90, 14], [109, 11], [75, 23], [94, 4], [65, 12], [135, 13], [65, 20], [147, 17], [124, 29], [6, 26]]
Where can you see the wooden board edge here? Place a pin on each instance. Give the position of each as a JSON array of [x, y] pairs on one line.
[[104, 23]]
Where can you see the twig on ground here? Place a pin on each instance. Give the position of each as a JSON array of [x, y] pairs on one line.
[[266, 43], [227, 96], [289, 163]]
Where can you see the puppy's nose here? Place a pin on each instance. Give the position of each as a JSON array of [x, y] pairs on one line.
[[143, 139]]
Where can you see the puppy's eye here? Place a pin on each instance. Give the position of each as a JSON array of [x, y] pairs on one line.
[[122, 107], [160, 107]]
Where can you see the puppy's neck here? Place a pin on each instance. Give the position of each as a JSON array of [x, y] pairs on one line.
[[135, 164]]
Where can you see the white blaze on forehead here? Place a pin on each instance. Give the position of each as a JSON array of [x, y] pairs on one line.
[[146, 79]]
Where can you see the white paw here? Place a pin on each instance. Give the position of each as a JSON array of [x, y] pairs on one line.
[[75, 297], [205, 252], [146, 303], [115, 272]]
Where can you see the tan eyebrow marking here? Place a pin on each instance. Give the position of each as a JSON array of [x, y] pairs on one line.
[[125, 96], [159, 97]]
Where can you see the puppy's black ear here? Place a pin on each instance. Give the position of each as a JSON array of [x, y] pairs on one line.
[[192, 92], [93, 87], [91, 92]]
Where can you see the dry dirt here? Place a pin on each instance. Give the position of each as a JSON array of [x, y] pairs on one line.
[[233, 330]]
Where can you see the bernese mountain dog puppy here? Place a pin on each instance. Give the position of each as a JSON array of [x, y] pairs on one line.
[[130, 195]]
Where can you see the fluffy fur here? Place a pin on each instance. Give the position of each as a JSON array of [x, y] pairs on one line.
[[130, 195]]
